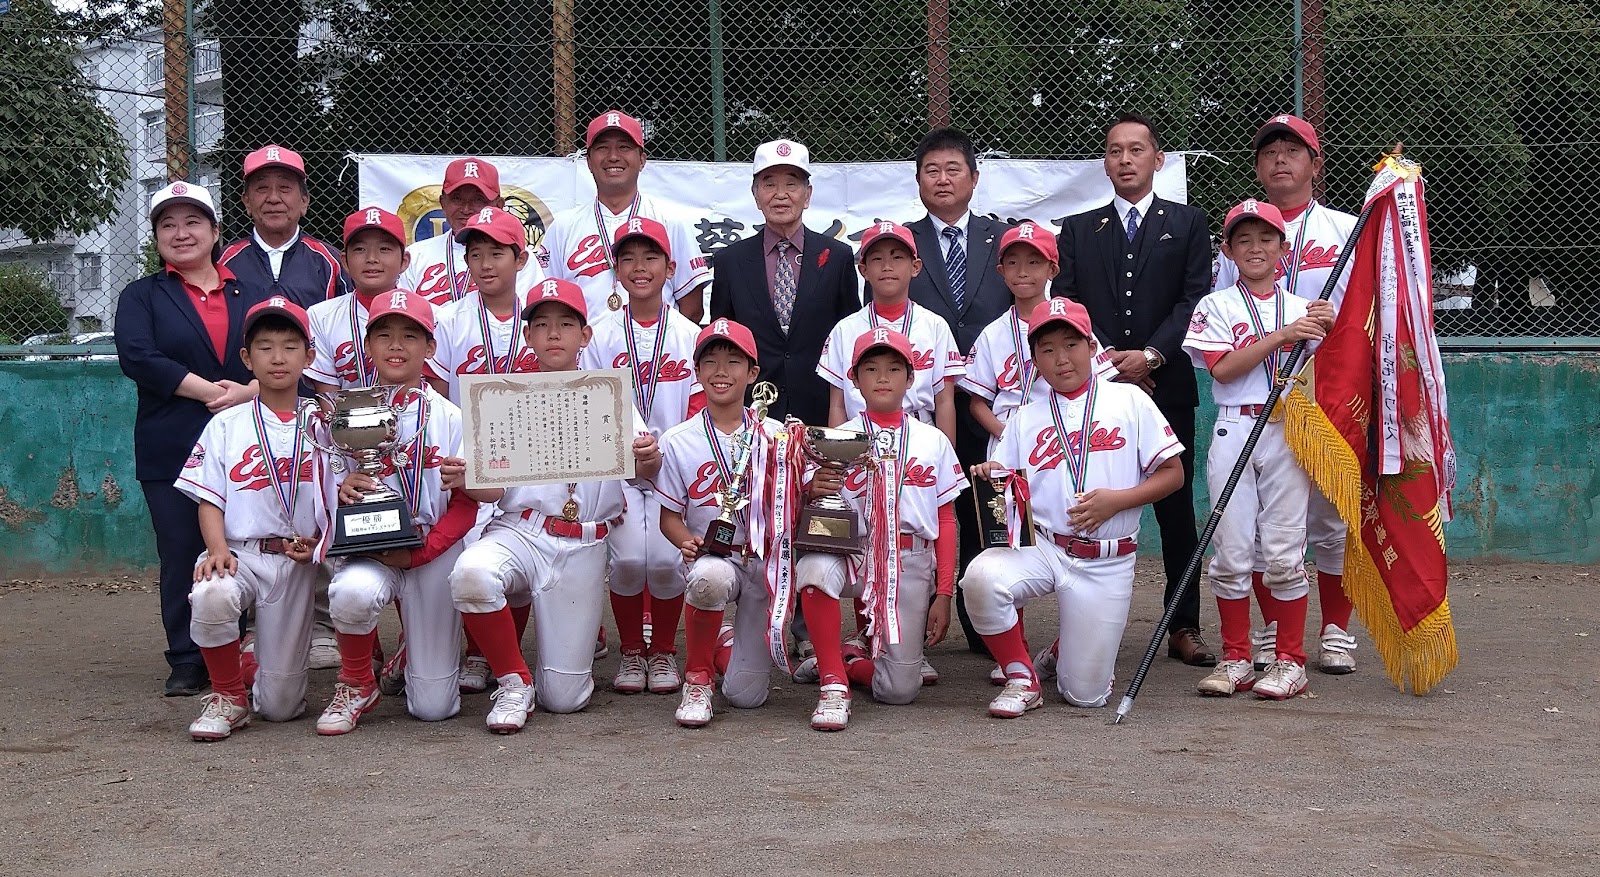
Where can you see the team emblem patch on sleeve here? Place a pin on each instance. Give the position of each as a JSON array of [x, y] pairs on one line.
[[1198, 322], [197, 458]]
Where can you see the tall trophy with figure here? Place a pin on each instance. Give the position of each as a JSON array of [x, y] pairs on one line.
[[363, 425], [735, 493]]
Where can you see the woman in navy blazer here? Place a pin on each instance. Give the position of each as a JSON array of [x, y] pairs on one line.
[[178, 337]]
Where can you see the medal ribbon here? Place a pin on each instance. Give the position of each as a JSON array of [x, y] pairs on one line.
[[1077, 463], [411, 473], [904, 328], [1270, 364], [458, 290], [645, 371], [727, 469], [486, 326], [881, 586], [1024, 358], [1291, 263], [605, 235], [289, 493], [363, 368]]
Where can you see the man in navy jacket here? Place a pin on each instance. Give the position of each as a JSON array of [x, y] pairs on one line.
[[277, 258]]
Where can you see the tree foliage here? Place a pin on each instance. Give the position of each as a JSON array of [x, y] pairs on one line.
[[28, 304]]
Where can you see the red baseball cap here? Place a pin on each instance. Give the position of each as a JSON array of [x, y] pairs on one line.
[[1030, 234], [374, 217], [500, 226], [275, 156], [474, 172], [1253, 209], [879, 230], [560, 291], [615, 120], [1300, 128], [643, 227], [406, 303], [724, 329], [881, 338], [1060, 310], [278, 306]]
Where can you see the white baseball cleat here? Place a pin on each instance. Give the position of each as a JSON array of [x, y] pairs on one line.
[[392, 678], [930, 676], [997, 675], [220, 716], [1226, 678], [1019, 696], [664, 677], [805, 672], [509, 705], [324, 653], [600, 647], [1044, 663], [1264, 645], [1283, 680], [344, 712], [833, 709], [632, 675], [475, 674], [1337, 648], [694, 710]]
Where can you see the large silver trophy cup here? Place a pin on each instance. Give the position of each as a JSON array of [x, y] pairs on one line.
[[364, 424], [829, 524]]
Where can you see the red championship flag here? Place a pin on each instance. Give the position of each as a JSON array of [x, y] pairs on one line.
[[1371, 427]]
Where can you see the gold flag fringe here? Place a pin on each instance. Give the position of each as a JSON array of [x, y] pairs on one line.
[[1419, 658]]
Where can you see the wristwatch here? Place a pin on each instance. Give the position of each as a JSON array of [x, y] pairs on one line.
[[1154, 357]]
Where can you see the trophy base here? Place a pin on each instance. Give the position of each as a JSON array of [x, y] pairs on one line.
[[718, 540], [370, 527], [828, 530]]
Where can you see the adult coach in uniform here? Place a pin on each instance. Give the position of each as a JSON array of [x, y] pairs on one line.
[[278, 258], [787, 284], [960, 281], [1139, 265]]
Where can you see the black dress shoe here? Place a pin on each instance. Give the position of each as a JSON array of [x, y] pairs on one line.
[[1186, 645], [187, 680]]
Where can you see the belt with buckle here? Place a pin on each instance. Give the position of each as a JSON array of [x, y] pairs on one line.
[[275, 545], [1093, 549], [1249, 410], [572, 529], [912, 542]]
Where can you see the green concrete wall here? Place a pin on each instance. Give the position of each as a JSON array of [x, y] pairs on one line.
[[1526, 428]]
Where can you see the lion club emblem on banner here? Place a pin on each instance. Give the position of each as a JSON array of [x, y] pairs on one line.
[[422, 217]]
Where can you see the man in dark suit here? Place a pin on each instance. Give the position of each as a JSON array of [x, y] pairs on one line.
[[787, 284], [960, 282], [1139, 265]]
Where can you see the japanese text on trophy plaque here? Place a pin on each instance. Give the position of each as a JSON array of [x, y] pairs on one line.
[[547, 427]]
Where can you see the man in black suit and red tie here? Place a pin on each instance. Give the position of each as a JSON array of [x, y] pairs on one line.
[[1139, 265], [960, 281], [787, 284]]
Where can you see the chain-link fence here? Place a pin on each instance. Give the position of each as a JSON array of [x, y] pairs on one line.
[[1499, 101]]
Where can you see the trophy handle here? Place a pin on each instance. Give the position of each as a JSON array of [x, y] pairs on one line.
[[313, 415], [404, 400]]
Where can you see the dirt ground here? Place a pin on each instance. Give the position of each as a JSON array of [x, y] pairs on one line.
[[1497, 772]]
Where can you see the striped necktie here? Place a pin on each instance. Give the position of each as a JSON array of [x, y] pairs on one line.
[[955, 264]]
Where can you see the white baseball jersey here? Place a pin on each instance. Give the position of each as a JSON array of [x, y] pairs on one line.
[[930, 474], [1318, 236], [573, 249], [1000, 359], [438, 270], [440, 438], [598, 501], [938, 359], [666, 349], [1128, 439], [462, 349], [338, 331], [689, 480], [228, 468], [1223, 321]]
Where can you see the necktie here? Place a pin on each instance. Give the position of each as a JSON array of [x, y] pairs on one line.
[[783, 286], [955, 264], [1133, 223]]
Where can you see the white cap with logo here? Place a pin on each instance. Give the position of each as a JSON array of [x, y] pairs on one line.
[[783, 153], [181, 192]]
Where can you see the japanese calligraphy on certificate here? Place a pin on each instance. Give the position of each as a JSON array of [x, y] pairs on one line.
[[547, 427]]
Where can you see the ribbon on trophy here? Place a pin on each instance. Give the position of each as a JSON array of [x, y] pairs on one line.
[[774, 532], [881, 575]]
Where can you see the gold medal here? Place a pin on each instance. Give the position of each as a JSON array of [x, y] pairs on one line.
[[569, 511], [614, 301]]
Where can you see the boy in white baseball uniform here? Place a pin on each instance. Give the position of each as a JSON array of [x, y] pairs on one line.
[[482, 332], [578, 244], [700, 459], [438, 264], [428, 472], [375, 256], [1288, 160], [545, 553], [1085, 494], [260, 486], [657, 344], [1239, 335], [888, 261], [907, 574]]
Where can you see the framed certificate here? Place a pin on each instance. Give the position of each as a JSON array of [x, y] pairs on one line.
[[547, 427]]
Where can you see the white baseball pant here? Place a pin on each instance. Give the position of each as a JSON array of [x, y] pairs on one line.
[[713, 583], [1325, 533], [1092, 595], [516, 564], [639, 552], [897, 673], [360, 589], [1265, 515], [281, 591]]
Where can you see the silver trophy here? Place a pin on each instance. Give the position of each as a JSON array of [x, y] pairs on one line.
[[364, 424], [829, 524]]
